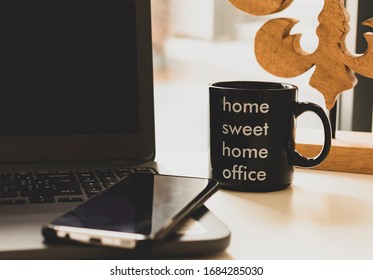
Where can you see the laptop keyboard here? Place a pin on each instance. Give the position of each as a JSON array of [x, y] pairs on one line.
[[59, 186]]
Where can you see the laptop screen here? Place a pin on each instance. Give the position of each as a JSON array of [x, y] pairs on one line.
[[68, 67], [76, 80]]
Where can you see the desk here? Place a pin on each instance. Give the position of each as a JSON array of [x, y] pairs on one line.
[[323, 215]]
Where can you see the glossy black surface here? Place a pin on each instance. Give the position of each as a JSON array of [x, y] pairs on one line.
[[252, 135], [141, 203], [68, 67]]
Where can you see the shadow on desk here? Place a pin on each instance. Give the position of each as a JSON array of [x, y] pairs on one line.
[[280, 201]]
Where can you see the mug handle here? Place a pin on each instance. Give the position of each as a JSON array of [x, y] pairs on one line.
[[298, 159]]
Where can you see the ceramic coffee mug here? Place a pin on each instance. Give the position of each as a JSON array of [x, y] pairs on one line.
[[252, 131]]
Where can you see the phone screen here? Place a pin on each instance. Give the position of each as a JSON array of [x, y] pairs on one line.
[[141, 203]]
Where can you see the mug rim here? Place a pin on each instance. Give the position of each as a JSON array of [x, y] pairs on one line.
[[230, 85]]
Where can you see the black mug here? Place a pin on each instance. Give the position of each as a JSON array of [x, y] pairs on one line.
[[252, 135]]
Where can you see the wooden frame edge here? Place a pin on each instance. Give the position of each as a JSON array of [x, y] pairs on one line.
[[351, 152]]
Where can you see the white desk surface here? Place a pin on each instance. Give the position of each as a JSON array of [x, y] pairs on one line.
[[323, 215]]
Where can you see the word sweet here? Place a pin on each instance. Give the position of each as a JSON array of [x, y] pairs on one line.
[[246, 130]]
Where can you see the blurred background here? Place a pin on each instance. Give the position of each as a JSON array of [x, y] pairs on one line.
[[198, 42]]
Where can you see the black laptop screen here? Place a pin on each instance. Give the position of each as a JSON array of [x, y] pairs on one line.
[[68, 67]]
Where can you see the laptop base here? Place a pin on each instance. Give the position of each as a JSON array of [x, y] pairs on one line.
[[202, 235]]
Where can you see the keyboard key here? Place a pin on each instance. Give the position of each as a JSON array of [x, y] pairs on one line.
[[41, 199], [87, 180], [105, 173], [122, 174], [70, 199], [91, 191], [7, 194], [18, 188], [42, 174], [35, 188], [68, 192], [5, 175], [91, 185], [108, 179], [13, 202], [60, 176], [23, 176], [72, 185], [108, 184], [145, 170], [86, 173], [126, 170]]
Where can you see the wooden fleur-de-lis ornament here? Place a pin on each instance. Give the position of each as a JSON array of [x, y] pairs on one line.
[[281, 54]]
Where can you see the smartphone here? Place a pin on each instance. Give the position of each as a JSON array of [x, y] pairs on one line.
[[137, 211]]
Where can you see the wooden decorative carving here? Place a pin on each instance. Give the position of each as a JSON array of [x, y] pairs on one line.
[[261, 7], [281, 54]]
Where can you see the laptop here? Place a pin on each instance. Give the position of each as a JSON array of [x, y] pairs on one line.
[[77, 115]]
